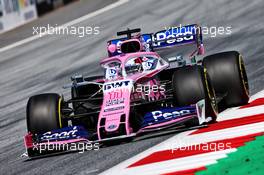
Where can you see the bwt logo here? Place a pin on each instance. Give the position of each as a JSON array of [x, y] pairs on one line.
[[117, 84], [158, 115]]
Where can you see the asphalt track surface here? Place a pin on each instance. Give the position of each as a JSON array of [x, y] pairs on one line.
[[44, 65]]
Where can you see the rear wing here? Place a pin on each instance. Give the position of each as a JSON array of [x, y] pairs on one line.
[[174, 36]]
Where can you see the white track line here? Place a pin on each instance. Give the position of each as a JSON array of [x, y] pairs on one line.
[[240, 113], [228, 133], [178, 164], [189, 162], [76, 21]]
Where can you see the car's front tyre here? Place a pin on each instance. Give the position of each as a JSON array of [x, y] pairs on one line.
[[191, 84], [44, 113], [229, 78]]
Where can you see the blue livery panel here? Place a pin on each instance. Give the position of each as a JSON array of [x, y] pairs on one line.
[[167, 114], [67, 133], [175, 36]]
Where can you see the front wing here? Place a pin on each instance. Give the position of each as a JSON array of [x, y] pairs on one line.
[[64, 139]]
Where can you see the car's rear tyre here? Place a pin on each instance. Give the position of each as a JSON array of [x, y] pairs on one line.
[[44, 113], [229, 78], [191, 84]]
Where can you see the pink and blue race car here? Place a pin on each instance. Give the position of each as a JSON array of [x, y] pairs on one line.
[[141, 91]]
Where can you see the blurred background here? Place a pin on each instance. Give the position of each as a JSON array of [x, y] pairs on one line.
[[14, 13]]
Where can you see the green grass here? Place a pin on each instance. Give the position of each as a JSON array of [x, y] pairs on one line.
[[247, 160]]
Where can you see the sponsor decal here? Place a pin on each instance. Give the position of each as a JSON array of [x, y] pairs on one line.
[[59, 135], [117, 94], [174, 36], [64, 133], [115, 102], [169, 115], [147, 65], [112, 126], [114, 109], [111, 73]]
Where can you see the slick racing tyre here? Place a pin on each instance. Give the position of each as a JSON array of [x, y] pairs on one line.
[[191, 84], [229, 78], [44, 113]]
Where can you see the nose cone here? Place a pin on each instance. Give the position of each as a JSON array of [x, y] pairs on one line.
[[116, 103], [112, 124]]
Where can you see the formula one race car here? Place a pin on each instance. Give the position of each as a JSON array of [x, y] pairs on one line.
[[140, 91]]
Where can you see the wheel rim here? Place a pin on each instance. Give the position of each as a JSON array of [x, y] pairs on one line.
[[243, 75], [59, 112], [210, 92]]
